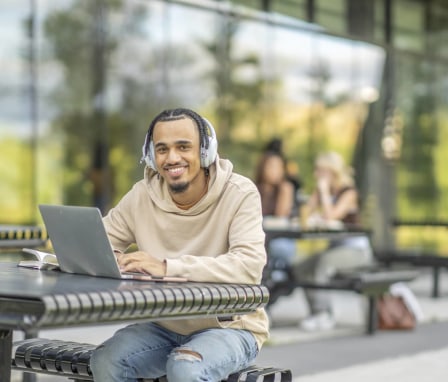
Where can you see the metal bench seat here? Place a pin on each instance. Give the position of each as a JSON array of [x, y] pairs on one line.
[[71, 360], [417, 259], [369, 281]]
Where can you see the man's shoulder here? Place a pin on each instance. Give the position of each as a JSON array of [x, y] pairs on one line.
[[242, 182], [229, 181]]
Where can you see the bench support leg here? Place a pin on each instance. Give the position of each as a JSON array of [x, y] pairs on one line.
[[435, 282], [372, 315], [5, 355], [29, 377]]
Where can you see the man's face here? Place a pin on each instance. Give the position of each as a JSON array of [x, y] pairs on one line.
[[176, 148]]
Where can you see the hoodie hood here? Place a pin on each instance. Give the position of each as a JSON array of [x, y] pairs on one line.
[[219, 172]]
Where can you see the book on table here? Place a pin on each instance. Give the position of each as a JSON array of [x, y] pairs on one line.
[[43, 260]]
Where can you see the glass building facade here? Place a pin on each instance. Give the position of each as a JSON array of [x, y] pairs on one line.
[[81, 80]]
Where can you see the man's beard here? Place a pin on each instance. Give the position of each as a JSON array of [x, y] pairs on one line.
[[178, 188]]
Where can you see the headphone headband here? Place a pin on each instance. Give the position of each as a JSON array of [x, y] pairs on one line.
[[208, 146]]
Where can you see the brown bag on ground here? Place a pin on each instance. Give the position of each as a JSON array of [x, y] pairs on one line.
[[393, 314]]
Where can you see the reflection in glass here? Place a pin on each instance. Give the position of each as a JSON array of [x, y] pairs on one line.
[[79, 94]]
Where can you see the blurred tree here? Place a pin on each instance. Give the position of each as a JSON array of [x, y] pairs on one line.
[[84, 46], [80, 43], [419, 142], [238, 99], [319, 76]]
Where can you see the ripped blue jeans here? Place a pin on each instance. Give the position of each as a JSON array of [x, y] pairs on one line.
[[147, 350]]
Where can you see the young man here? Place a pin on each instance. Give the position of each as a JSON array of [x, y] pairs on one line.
[[190, 216]]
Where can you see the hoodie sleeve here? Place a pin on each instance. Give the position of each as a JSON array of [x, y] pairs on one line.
[[246, 256]]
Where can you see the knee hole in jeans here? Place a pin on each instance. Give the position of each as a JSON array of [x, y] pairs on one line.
[[184, 354]]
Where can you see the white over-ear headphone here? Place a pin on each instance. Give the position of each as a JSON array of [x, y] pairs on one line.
[[208, 155]]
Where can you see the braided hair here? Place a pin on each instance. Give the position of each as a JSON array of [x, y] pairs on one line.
[[181, 113]]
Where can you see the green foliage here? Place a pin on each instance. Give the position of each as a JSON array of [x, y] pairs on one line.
[[16, 181], [416, 171]]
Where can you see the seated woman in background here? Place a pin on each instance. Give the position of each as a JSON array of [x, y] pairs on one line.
[[333, 204], [335, 198], [277, 200]]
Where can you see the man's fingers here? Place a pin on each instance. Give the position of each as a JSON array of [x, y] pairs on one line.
[[127, 258], [134, 266], [141, 262]]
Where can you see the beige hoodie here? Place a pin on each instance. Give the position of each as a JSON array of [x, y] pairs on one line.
[[220, 239]]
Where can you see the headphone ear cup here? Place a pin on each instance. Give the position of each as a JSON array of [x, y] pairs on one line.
[[208, 156], [146, 153], [149, 158]]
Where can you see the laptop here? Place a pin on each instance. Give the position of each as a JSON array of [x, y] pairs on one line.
[[81, 244]]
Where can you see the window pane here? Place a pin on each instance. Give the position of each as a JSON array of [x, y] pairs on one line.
[[291, 8], [408, 25], [18, 137], [255, 4], [332, 15], [438, 29]]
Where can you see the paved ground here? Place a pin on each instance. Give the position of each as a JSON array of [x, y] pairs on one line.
[[347, 354], [345, 358], [344, 353]]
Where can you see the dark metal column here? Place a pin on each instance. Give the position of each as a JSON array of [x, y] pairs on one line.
[[5, 355]]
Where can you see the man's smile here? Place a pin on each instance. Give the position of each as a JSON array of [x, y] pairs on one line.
[[175, 171]]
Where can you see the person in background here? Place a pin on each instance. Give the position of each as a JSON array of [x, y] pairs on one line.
[[193, 217], [277, 201], [335, 198], [276, 191], [333, 204], [275, 145]]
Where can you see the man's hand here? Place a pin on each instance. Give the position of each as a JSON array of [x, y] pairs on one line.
[[141, 262]]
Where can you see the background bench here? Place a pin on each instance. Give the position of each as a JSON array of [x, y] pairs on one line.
[[371, 282], [417, 258], [71, 360], [17, 236]]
